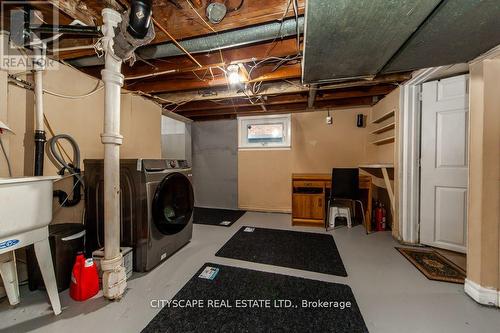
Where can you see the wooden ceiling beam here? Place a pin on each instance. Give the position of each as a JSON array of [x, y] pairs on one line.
[[77, 10], [173, 83], [245, 54], [278, 88], [289, 108], [184, 23], [275, 88], [289, 98]]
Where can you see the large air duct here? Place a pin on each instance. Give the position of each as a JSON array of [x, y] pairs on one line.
[[222, 40]]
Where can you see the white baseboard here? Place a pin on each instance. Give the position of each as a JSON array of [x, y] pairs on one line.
[[481, 294]]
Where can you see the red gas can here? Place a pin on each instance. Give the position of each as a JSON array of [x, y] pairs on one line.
[[84, 279]]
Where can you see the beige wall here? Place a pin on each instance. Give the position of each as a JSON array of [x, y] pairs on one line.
[[83, 120], [483, 249], [318, 147], [264, 180], [264, 176]]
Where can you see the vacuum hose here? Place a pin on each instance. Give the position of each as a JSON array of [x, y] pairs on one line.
[[73, 168]]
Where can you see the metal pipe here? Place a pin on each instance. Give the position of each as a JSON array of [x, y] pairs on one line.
[[78, 30], [210, 43], [39, 66], [114, 277]]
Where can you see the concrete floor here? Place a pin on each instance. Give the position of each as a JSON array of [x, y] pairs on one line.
[[392, 294]]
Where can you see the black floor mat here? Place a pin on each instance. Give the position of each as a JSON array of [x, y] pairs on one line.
[[301, 250], [234, 286], [216, 216]]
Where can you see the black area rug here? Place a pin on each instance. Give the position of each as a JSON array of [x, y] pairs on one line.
[[263, 293], [215, 216], [301, 250]]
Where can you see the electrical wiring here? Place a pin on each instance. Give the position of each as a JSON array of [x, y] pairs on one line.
[[72, 48], [178, 104], [59, 145], [296, 11], [273, 44], [209, 26], [6, 157], [280, 60], [93, 91]]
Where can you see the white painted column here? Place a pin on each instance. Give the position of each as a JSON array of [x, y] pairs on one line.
[[114, 276]]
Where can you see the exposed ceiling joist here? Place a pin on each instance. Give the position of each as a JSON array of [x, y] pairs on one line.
[[77, 9], [312, 96], [289, 108], [245, 54], [279, 88], [248, 37], [159, 86], [292, 98], [184, 23], [293, 86]]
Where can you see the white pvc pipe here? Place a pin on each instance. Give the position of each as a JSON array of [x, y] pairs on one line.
[[112, 157], [39, 100], [114, 278]]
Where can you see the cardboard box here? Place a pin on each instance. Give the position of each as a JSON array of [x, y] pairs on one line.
[[128, 260]]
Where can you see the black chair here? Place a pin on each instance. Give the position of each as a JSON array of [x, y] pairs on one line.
[[344, 188]]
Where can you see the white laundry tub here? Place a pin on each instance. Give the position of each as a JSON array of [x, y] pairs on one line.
[[25, 204], [25, 213]]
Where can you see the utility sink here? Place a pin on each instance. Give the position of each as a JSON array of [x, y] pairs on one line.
[[25, 213], [25, 204]]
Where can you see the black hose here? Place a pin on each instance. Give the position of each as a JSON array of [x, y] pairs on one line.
[[73, 168]]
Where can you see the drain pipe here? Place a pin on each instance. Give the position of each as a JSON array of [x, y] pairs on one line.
[[114, 278], [39, 67]]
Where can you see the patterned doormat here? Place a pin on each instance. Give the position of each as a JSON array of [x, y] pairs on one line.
[[433, 265]]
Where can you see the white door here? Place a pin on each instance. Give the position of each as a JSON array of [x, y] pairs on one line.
[[444, 163]]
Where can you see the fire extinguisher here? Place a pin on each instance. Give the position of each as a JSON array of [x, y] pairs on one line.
[[379, 216], [84, 279], [384, 217]]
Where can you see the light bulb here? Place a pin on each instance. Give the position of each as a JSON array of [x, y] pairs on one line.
[[233, 75], [234, 78]]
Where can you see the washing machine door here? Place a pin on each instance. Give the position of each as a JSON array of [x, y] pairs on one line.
[[173, 204]]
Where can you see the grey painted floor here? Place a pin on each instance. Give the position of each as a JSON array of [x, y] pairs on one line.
[[392, 295]]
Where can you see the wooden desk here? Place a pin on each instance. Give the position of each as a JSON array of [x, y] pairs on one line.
[[309, 203], [387, 171]]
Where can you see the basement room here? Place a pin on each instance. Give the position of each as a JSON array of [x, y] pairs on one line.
[[250, 166]]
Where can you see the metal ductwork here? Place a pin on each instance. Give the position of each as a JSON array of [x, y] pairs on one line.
[[222, 40], [365, 38]]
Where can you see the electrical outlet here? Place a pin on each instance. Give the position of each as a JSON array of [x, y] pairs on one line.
[[329, 120]]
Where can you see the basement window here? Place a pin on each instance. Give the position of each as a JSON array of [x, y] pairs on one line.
[[263, 132]]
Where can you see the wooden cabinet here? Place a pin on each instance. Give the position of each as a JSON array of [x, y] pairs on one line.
[[309, 198], [308, 206]]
